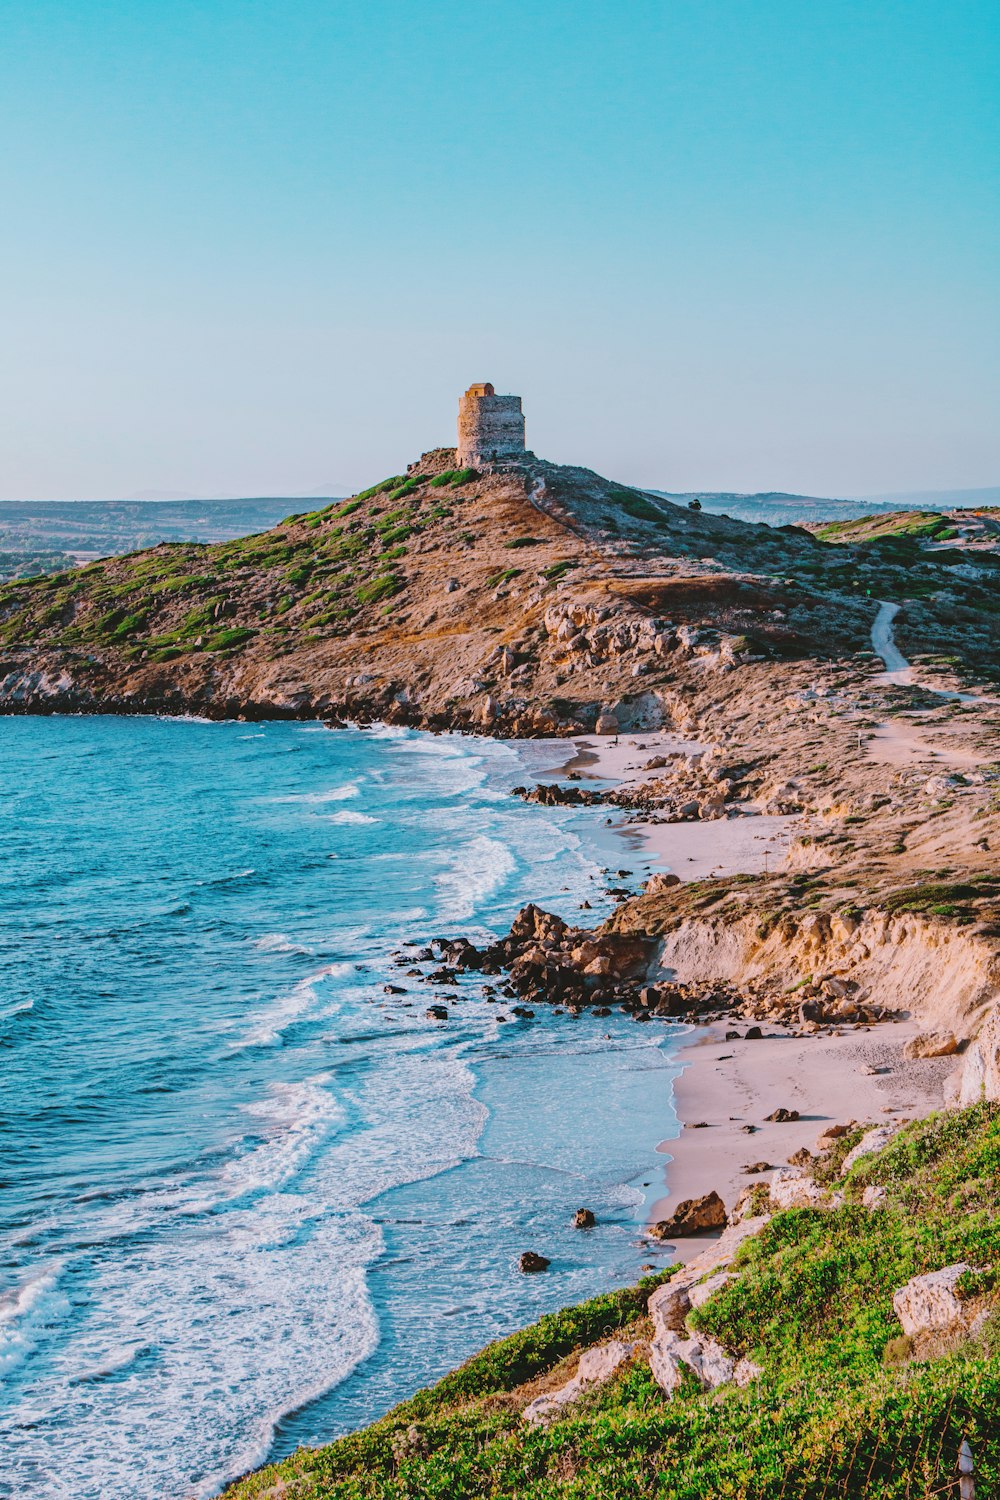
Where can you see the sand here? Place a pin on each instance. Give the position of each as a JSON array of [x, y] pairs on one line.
[[725, 1086], [728, 1085], [748, 843]]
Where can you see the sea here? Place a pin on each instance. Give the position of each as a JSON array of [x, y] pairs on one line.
[[250, 1195]]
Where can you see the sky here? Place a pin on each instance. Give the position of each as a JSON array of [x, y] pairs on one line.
[[261, 246]]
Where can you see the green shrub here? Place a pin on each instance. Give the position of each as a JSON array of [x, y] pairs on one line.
[[382, 586]]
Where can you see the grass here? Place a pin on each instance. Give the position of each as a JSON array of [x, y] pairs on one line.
[[843, 1407]]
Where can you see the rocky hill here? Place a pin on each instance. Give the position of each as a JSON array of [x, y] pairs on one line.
[[528, 601]]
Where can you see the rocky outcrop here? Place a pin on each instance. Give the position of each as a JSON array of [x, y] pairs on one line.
[[596, 1368], [931, 1044], [672, 1356], [933, 1301], [979, 1077], [873, 1140]]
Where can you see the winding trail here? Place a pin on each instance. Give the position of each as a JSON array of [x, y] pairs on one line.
[[897, 668]]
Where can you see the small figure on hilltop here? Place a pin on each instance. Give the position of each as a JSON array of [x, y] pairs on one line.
[[490, 428]]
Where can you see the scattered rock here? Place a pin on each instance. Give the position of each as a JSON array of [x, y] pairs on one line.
[[782, 1116], [656, 885], [436, 1012], [694, 1216], [758, 1166], [584, 1219], [753, 1034], [530, 1262]]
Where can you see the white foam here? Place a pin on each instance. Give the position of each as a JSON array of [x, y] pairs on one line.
[[278, 942], [26, 1310], [348, 815], [480, 867], [317, 799]]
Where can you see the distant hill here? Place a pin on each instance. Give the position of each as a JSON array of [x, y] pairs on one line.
[[777, 508], [47, 536]]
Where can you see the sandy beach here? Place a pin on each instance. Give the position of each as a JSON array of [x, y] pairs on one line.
[[727, 1088]]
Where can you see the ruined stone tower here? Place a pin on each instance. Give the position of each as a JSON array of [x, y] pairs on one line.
[[490, 428]]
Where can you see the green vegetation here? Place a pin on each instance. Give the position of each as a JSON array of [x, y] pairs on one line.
[[636, 506], [559, 570], [845, 1406], [522, 541]]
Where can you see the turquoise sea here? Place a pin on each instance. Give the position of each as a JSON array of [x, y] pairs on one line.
[[249, 1198]]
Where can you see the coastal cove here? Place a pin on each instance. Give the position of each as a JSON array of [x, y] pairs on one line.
[[254, 1196]]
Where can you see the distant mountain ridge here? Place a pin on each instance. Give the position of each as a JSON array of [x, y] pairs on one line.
[[778, 508]]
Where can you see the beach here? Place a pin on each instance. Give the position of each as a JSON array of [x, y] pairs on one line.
[[727, 1088]]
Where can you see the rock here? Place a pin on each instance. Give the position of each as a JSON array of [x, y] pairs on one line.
[[801, 1158], [931, 1044], [607, 723], [584, 1219], [694, 1216], [530, 1262], [873, 1140], [671, 1356], [782, 1116], [758, 1166], [980, 1075], [790, 1187], [931, 1301], [436, 1012], [873, 1196], [702, 1290], [669, 1305], [753, 1034], [596, 1367], [656, 885]]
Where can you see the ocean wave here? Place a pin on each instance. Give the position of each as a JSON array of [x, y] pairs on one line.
[[278, 942], [25, 1311], [342, 793], [348, 815], [479, 869]]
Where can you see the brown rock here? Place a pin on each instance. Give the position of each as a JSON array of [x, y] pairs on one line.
[[694, 1216], [584, 1219], [758, 1166], [782, 1116], [931, 1044], [530, 1262]]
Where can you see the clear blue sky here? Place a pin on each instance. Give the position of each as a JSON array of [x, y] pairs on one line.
[[255, 247]]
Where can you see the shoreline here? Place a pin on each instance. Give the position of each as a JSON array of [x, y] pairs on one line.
[[725, 1089]]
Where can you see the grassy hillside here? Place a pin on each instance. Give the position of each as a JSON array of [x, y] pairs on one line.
[[845, 1404]]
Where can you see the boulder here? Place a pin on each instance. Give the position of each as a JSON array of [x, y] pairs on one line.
[[671, 1357], [931, 1301], [693, 1216], [436, 1012], [606, 724], [873, 1140], [530, 1262], [790, 1187], [584, 1219], [782, 1116], [596, 1367], [931, 1044], [656, 885]]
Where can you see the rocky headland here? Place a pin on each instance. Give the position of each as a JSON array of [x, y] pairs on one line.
[[721, 676]]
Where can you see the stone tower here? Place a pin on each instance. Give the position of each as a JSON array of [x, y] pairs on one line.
[[490, 428]]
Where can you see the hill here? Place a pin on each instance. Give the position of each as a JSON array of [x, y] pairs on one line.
[[428, 599]]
